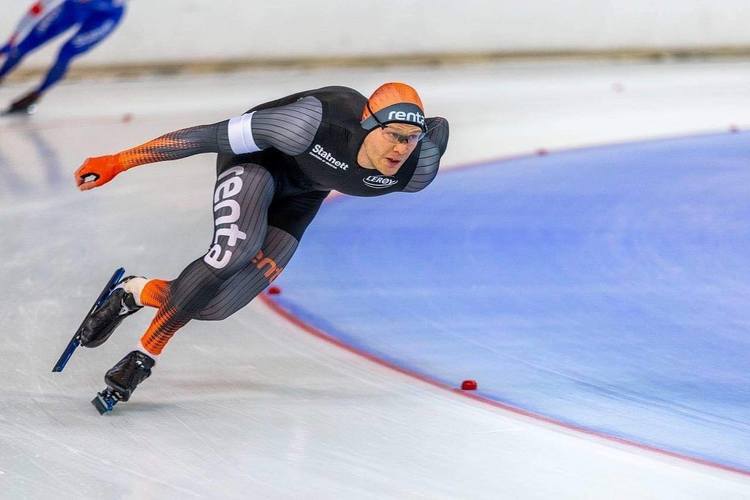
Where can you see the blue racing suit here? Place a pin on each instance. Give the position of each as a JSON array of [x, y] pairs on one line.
[[95, 21]]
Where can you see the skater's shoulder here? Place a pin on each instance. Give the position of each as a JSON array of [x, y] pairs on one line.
[[340, 95], [342, 106]]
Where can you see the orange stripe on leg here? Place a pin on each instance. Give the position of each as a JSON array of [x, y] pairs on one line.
[[154, 293], [160, 332]]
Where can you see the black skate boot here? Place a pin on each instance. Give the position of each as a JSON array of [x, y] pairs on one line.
[[122, 379], [125, 376], [98, 327], [25, 105]]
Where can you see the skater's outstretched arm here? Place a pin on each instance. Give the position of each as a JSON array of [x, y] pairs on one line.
[[290, 129], [172, 146]]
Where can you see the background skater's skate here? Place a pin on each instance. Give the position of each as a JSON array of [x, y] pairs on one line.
[[26, 105], [122, 379]]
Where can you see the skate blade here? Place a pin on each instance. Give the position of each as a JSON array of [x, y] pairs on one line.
[[75, 341], [104, 402], [20, 112]]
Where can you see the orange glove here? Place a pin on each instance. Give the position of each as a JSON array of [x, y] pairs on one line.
[[97, 171]]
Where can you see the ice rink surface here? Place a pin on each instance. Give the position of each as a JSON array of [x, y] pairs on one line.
[[254, 406]]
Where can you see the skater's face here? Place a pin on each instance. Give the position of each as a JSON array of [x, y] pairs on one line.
[[387, 148]]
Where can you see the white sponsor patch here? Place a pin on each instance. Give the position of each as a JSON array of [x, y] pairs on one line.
[[219, 254], [410, 116], [379, 181], [321, 154]]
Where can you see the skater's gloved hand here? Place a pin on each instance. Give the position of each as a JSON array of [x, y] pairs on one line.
[[97, 171]]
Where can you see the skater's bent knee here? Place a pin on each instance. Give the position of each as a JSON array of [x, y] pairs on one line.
[[225, 263]]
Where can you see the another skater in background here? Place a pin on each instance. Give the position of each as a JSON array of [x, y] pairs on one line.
[[46, 19], [276, 164]]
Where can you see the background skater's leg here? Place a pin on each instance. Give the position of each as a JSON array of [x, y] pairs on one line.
[[92, 32], [34, 31]]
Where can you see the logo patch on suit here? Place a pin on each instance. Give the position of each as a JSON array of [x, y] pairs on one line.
[[379, 181], [321, 154]]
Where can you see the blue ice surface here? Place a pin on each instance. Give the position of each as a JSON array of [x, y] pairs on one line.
[[607, 287]]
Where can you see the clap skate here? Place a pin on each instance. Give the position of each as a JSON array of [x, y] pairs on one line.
[[24, 106], [122, 380], [99, 325], [76, 340]]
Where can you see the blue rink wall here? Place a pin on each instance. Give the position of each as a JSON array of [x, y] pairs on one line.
[[606, 288]]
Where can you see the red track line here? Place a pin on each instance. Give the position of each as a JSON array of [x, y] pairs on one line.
[[275, 307]]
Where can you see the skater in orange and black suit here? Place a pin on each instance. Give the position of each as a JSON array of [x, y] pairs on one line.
[[276, 164]]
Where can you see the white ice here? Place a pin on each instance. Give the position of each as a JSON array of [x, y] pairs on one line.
[[253, 407]]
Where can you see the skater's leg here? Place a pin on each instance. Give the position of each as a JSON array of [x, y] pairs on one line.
[[147, 292], [203, 291], [242, 197], [238, 291], [39, 30], [92, 32], [154, 293], [288, 219]]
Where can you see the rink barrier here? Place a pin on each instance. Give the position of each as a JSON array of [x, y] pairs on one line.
[[85, 70]]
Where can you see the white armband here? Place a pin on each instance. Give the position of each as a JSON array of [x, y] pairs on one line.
[[240, 133]]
